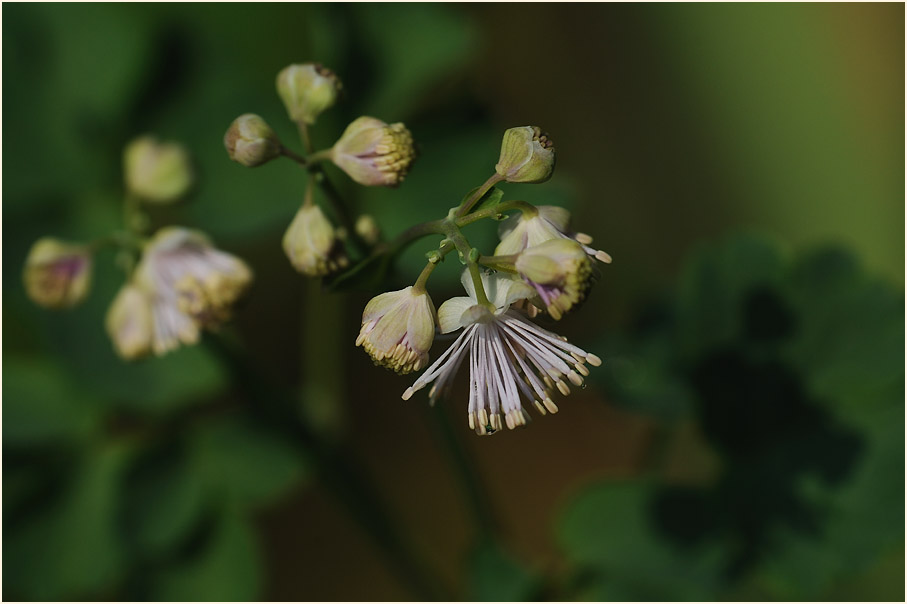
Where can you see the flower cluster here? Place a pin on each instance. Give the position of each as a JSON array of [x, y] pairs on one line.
[[177, 282], [540, 266], [370, 151]]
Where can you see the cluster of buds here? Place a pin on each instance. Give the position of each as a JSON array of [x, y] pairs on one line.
[[177, 282], [371, 152], [540, 267]]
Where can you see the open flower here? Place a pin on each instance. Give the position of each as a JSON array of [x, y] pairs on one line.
[[190, 285], [522, 231], [57, 274], [398, 329], [560, 271], [129, 323], [311, 243], [374, 153], [510, 358]]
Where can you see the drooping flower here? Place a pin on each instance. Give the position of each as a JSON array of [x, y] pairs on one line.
[[374, 153], [190, 285], [527, 155], [129, 323], [560, 271], [307, 90], [522, 231], [157, 172], [311, 243], [57, 274], [510, 358], [398, 328]]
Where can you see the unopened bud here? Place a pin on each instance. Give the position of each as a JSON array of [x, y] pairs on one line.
[[374, 153], [250, 141], [398, 328], [367, 228], [311, 243], [57, 274], [527, 155], [129, 323], [307, 90], [157, 172]]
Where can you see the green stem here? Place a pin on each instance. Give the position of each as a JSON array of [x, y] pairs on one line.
[[293, 155], [527, 209], [339, 472], [419, 285], [471, 201], [500, 263], [469, 254], [305, 137]]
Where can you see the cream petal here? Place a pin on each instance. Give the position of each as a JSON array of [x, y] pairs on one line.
[[450, 313]]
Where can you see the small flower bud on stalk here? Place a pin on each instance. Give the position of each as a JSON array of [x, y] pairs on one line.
[[57, 274], [367, 228], [129, 323], [157, 172], [312, 245], [374, 153], [250, 141], [398, 329], [560, 271], [307, 90], [527, 155]]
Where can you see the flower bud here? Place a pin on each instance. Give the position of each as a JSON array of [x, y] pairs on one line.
[[307, 90], [250, 141], [157, 172], [374, 153], [560, 271], [522, 230], [398, 329], [57, 274], [129, 323], [311, 243], [527, 155], [367, 228]]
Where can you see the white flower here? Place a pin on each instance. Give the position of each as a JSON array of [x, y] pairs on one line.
[[190, 285], [374, 153], [509, 357], [129, 323], [520, 231], [398, 329]]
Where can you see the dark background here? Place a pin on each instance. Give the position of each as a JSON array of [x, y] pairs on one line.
[[743, 439]]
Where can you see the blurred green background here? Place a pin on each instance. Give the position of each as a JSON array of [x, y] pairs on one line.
[[742, 163]]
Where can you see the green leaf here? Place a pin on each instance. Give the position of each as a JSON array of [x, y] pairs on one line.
[[496, 576], [245, 464], [607, 531], [228, 568], [491, 198], [42, 404], [71, 549]]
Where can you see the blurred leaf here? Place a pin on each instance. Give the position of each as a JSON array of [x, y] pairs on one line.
[[164, 503], [607, 530], [364, 275], [713, 286], [245, 464], [228, 568], [42, 405], [414, 48], [71, 549], [496, 576]]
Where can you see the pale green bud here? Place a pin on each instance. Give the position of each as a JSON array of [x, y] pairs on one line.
[[527, 155], [374, 153], [311, 243], [307, 90], [367, 228], [129, 323], [57, 274], [561, 272], [398, 329], [157, 172], [250, 141]]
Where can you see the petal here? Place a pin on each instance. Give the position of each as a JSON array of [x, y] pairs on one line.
[[451, 313]]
